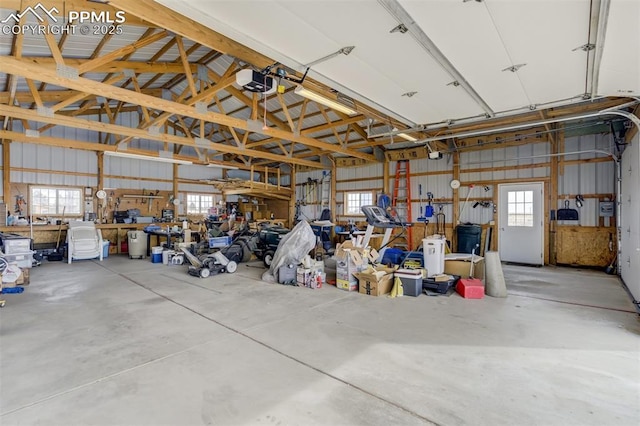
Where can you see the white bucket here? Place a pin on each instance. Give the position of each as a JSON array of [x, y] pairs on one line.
[[156, 250], [165, 257]]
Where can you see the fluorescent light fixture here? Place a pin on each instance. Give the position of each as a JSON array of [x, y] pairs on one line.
[[222, 166], [146, 157], [324, 101], [405, 136]]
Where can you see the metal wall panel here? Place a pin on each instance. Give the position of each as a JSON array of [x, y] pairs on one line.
[[46, 158], [586, 178], [196, 172], [124, 171]]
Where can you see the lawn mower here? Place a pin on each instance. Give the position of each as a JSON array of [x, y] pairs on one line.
[[266, 243], [210, 264]]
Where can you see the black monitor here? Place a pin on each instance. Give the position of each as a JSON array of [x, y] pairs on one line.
[[167, 214], [380, 218]]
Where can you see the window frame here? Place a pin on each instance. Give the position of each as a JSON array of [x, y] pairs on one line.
[[360, 193], [200, 208], [520, 210], [59, 207]]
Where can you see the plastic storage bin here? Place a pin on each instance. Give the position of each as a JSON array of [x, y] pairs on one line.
[[393, 256], [411, 282], [156, 254], [219, 242], [468, 237], [137, 244], [13, 245], [105, 248], [22, 260]]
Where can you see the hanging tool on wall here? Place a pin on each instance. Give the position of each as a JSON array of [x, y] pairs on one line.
[[428, 210], [422, 217], [440, 221], [20, 204], [466, 201]]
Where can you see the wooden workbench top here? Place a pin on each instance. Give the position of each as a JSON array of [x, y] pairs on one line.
[[36, 228]]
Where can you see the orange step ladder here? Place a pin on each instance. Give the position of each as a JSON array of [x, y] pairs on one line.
[[401, 202]]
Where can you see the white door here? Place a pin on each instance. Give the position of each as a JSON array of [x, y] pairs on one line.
[[520, 223]]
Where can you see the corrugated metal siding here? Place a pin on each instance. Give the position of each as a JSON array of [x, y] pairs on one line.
[[124, 172], [50, 158], [586, 178]]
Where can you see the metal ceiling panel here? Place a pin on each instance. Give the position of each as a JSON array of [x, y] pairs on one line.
[[620, 66], [544, 34], [465, 33]]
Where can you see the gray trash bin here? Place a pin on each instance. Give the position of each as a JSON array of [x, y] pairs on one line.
[[137, 244]]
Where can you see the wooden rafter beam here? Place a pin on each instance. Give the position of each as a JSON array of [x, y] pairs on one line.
[[52, 96], [14, 66], [138, 67], [187, 66], [92, 64], [164, 17], [57, 119], [202, 61], [53, 46]]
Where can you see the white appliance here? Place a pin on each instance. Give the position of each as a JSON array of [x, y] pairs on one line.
[[433, 251]]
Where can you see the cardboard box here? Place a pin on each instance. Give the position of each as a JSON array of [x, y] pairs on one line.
[[460, 264], [375, 281], [303, 277], [23, 279], [366, 255], [348, 265], [347, 285]]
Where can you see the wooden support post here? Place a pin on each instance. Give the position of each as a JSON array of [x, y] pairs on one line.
[[278, 169], [334, 179], [553, 194], [174, 188], [100, 157], [292, 200], [100, 176], [560, 142], [456, 201], [266, 176], [385, 176], [6, 172]]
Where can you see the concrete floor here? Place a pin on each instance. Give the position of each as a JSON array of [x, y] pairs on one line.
[[130, 342]]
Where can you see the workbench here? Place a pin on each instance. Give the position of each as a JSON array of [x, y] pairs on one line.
[[47, 235]]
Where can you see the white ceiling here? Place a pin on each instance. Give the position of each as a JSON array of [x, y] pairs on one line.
[[478, 38]]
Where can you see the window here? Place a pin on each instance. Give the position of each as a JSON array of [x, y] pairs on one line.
[[53, 201], [520, 208], [199, 203], [353, 201]]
